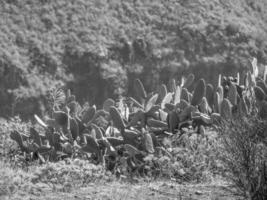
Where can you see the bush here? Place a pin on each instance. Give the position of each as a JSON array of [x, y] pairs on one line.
[[244, 155]]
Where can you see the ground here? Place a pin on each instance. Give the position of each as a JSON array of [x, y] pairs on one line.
[[120, 190]]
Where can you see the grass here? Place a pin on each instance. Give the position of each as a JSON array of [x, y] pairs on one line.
[[18, 183]]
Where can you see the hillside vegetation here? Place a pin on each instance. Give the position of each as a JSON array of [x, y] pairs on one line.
[[97, 48]]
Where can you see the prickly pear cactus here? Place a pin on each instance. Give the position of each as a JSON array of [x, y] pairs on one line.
[[199, 92], [217, 103], [148, 142], [61, 118], [88, 114], [185, 95], [189, 81], [139, 89], [209, 94], [226, 109], [177, 95], [162, 92], [116, 118], [151, 102], [232, 94], [220, 92], [204, 106], [259, 93], [15, 135], [242, 107], [166, 100], [107, 104], [173, 121], [172, 85], [156, 123], [262, 85], [263, 110]]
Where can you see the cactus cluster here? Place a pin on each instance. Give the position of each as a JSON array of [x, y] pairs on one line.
[[134, 127]]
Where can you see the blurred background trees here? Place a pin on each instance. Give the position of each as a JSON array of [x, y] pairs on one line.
[[97, 48]]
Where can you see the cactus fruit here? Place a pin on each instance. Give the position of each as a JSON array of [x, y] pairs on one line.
[[226, 109], [259, 93], [199, 92], [116, 118], [232, 94], [139, 89]]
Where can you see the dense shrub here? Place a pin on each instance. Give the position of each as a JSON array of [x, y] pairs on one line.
[[244, 155]]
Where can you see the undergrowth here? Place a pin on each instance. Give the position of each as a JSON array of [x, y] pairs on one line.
[[243, 154]]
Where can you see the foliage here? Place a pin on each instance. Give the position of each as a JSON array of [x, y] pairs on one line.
[[244, 155], [90, 44], [150, 135]]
